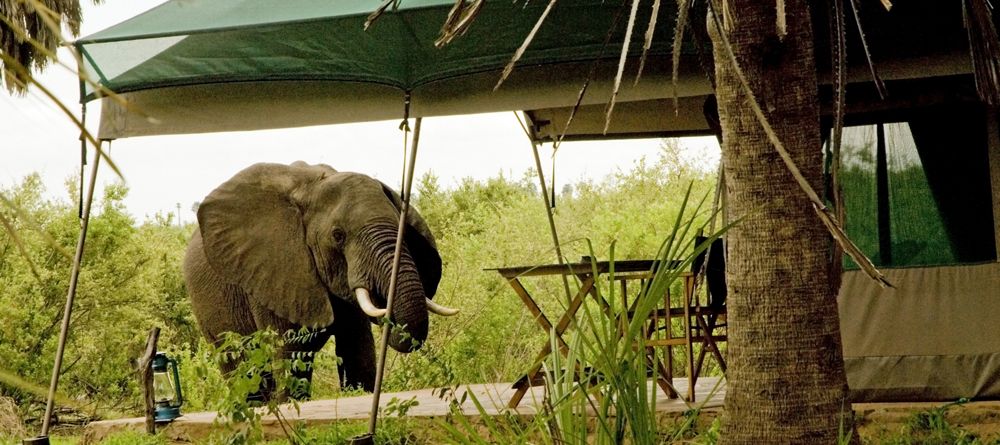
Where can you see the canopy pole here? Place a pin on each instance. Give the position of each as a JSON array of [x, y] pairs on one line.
[[552, 221], [548, 206], [386, 325], [71, 294]]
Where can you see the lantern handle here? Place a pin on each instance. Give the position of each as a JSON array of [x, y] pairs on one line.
[[177, 381]]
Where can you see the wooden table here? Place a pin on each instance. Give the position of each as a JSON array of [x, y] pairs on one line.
[[587, 273]]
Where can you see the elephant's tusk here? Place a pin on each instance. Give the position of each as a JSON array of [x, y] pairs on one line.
[[439, 309], [365, 301]]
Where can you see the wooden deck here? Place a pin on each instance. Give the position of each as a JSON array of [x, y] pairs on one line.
[[494, 396]]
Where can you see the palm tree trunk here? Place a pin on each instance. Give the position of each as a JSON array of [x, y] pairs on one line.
[[786, 381]]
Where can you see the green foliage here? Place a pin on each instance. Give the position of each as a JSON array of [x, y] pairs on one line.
[[255, 370], [54, 440], [130, 281], [131, 437], [201, 380], [391, 431], [931, 427]]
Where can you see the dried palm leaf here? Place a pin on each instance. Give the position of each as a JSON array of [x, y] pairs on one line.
[[524, 45], [701, 40], [461, 16], [879, 85], [586, 83], [13, 380], [838, 47], [824, 214], [683, 10], [984, 46], [9, 62], [648, 43], [621, 65], [378, 13]]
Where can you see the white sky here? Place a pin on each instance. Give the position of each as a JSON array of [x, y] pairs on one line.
[[164, 171]]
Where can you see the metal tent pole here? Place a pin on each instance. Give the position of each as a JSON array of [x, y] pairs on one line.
[[548, 203], [552, 221], [71, 294], [407, 185]]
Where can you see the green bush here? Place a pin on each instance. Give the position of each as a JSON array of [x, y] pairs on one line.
[[130, 282]]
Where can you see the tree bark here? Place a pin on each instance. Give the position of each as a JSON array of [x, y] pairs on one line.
[[786, 381]]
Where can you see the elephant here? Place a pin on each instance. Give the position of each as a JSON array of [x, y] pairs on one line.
[[292, 246]]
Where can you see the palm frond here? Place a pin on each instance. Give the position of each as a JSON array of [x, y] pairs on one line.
[[524, 45], [838, 47], [648, 43], [25, 218], [460, 18], [683, 10], [984, 46], [824, 214], [41, 22], [374, 16], [590, 76], [879, 85], [621, 64], [19, 243], [84, 133]]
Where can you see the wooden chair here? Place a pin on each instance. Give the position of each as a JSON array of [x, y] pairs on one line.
[[699, 322]]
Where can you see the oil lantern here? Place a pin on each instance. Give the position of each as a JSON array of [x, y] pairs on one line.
[[167, 395]]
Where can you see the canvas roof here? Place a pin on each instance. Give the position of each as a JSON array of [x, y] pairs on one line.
[[192, 66], [212, 65]]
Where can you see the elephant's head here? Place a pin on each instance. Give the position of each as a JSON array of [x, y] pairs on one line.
[[295, 236]]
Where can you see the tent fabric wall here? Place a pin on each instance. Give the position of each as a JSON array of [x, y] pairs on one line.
[[933, 337]]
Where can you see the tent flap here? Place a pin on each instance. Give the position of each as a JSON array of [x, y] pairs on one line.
[[934, 334]]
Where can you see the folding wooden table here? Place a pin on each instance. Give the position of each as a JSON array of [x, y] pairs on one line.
[[587, 273]]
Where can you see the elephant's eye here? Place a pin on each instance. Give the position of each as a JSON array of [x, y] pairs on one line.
[[339, 236]]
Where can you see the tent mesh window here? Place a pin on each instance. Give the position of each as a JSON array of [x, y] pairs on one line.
[[916, 190]]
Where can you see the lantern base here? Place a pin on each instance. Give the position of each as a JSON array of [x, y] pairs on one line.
[[163, 414]]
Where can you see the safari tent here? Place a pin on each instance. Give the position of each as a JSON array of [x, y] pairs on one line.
[[920, 170]]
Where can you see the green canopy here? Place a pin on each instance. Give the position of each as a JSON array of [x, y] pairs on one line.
[[246, 64], [197, 41]]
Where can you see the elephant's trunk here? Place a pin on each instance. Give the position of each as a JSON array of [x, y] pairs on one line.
[[409, 310]]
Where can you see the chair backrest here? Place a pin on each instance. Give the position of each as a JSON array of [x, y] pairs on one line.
[[715, 272]]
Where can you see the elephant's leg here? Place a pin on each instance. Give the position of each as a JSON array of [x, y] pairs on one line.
[[355, 347], [293, 348], [304, 349]]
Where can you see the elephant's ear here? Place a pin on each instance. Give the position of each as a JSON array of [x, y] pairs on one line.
[[254, 237], [420, 242]]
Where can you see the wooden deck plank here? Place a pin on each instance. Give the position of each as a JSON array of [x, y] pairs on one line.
[[493, 396]]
